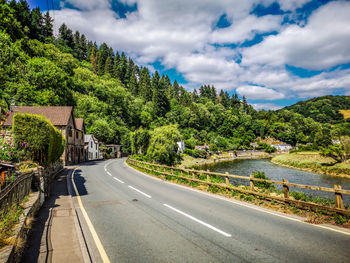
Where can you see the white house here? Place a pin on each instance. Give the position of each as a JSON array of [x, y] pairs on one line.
[[282, 146], [91, 147], [181, 146]]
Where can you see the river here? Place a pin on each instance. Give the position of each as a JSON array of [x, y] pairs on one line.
[[277, 172]]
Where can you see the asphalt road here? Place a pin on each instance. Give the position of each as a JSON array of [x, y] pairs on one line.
[[142, 219]]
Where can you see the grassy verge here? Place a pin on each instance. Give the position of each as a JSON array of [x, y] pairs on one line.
[[312, 215], [7, 222], [189, 161], [312, 161]]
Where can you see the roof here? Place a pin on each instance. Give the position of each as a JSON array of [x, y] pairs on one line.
[[88, 137], [79, 124], [58, 115]]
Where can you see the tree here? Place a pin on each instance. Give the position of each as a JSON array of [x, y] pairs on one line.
[[145, 88], [47, 27], [139, 141], [8, 21], [160, 101], [36, 27], [163, 144], [108, 66], [94, 60]]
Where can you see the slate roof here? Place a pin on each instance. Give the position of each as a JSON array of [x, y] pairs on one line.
[[58, 115], [87, 138]]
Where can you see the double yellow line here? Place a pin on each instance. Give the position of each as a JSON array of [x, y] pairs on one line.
[[91, 227]]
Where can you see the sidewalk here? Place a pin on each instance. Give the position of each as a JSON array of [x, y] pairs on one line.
[[55, 233]]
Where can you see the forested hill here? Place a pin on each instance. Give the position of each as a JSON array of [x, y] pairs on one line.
[[119, 99], [322, 109]]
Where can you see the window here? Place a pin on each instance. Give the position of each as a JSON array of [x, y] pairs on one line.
[[77, 134], [70, 132], [90, 144]]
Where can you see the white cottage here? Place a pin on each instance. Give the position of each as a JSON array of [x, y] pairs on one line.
[[91, 147]]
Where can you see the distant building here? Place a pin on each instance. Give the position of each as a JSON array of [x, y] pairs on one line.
[[202, 147], [282, 146], [115, 150], [92, 149], [180, 146]]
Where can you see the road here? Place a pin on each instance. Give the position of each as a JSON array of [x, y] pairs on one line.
[[138, 218]]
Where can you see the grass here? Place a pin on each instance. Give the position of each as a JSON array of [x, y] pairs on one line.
[[313, 161], [7, 222]]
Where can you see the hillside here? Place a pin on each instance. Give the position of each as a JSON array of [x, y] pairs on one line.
[[118, 98], [323, 109]]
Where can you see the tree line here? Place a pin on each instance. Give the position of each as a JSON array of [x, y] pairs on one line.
[[117, 98]]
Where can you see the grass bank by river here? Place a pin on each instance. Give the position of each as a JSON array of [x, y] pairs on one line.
[[313, 162], [189, 161]]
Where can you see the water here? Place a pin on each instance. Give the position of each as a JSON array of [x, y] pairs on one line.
[[277, 172]]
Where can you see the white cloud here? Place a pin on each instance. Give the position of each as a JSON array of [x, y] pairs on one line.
[[246, 29], [321, 44], [181, 34], [292, 4], [259, 93], [266, 106]]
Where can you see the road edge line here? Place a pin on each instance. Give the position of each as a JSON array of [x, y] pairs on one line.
[[248, 205], [97, 240], [83, 245]]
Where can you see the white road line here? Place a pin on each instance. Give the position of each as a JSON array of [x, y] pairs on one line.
[[120, 181], [97, 240], [198, 221], [109, 173], [137, 190], [240, 203]]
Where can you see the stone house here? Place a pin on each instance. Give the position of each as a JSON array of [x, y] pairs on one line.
[[62, 117], [92, 148]]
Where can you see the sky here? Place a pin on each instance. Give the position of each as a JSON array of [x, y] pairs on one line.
[[274, 53]]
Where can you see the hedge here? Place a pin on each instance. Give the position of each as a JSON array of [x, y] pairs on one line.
[[45, 141]]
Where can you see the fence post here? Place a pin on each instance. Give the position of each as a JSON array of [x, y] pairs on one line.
[[226, 179], [251, 183], [193, 175], [285, 189], [338, 197], [208, 176]]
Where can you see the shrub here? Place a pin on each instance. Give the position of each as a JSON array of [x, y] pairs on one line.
[[43, 140], [261, 175]]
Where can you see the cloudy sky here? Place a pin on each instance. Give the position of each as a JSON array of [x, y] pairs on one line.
[[273, 52]]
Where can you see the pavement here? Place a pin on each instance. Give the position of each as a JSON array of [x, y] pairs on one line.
[[56, 235]]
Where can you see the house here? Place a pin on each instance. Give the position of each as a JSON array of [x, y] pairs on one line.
[[62, 118], [282, 146], [180, 146], [92, 149], [202, 147]]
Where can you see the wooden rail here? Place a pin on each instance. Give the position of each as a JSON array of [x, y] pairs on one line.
[[15, 191], [195, 174]]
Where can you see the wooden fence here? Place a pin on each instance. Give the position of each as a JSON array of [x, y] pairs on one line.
[[194, 176], [15, 191]]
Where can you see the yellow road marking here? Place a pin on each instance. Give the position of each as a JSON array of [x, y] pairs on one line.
[[91, 227]]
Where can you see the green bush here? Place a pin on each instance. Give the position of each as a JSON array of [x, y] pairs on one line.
[[44, 141], [261, 175]]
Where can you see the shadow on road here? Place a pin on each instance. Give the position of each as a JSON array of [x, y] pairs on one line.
[[79, 181]]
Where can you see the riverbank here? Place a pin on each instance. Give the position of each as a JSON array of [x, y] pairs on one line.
[[190, 162], [313, 162]]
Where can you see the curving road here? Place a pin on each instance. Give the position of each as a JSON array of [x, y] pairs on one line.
[[139, 218]]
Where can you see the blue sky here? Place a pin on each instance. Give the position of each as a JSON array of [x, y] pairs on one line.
[[273, 52]]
